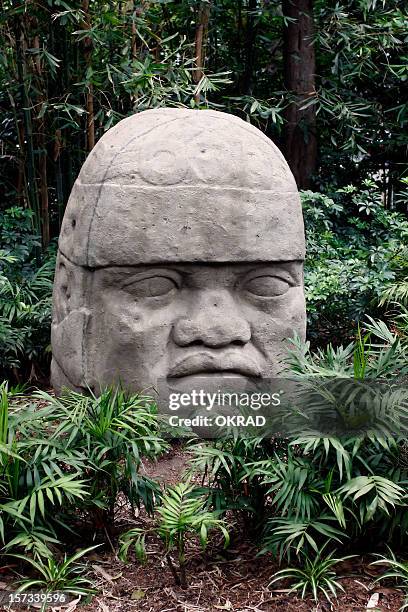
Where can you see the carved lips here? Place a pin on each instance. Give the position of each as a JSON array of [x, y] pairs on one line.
[[219, 363]]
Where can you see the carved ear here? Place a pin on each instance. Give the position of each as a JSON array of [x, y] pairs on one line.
[[68, 351], [70, 321]]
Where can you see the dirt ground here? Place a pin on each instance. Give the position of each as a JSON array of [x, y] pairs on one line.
[[234, 579]]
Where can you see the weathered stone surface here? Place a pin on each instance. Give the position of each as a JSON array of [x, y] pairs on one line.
[[181, 253]]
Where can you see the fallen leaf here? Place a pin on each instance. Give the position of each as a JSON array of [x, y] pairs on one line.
[[137, 595], [373, 601], [99, 570], [226, 606], [72, 605]]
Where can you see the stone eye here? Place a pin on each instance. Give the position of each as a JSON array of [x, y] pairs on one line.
[[153, 286], [267, 286]]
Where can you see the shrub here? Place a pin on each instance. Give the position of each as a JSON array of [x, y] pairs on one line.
[[38, 478], [111, 433], [319, 489], [225, 481], [25, 297], [67, 460], [355, 248], [357, 481]]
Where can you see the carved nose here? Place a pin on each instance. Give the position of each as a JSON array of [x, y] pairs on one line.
[[215, 322]]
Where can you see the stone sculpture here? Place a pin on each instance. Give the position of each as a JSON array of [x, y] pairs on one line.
[[181, 253]]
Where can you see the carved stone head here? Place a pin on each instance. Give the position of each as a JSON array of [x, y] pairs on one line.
[[181, 253]]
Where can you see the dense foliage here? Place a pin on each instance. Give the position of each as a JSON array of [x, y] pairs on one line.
[[316, 495], [68, 459], [69, 70], [356, 249], [25, 297]]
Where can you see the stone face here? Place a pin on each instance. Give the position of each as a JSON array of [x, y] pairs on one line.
[[181, 253]]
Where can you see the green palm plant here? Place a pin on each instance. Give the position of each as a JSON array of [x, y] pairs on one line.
[[71, 454], [284, 535], [181, 514], [291, 484], [225, 475], [377, 352], [398, 570], [33, 485], [373, 493], [67, 576], [317, 575], [319, 487], [113, 431]]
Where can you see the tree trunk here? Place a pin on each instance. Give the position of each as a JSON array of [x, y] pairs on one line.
[[300, 142], [201, 36], [20, 176], [89, 104]]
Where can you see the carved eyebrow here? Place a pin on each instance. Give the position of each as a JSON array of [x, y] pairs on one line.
[[124, 275], [138, 276], [287, 272]]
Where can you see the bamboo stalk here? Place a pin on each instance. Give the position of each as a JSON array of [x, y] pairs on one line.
[[58, 174], [89, 104], [133, 36], [42, 161], [201, 37], [32, 194]]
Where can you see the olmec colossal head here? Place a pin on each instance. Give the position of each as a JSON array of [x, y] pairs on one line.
[[181, 253]]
